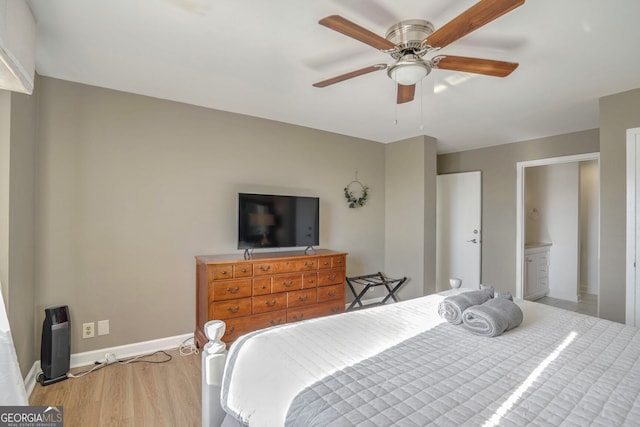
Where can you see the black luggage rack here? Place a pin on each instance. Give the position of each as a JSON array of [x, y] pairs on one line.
[[370, 281]]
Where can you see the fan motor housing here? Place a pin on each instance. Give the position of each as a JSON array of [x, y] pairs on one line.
[[408, 36]]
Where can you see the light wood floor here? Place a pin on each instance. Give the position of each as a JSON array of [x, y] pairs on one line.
[[136, 394], [587, 305]]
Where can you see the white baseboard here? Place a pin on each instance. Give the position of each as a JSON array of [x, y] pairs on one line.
[[32, 377], [128, 350], [121, 352]]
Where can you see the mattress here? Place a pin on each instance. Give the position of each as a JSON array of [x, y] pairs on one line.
[[402, 364]]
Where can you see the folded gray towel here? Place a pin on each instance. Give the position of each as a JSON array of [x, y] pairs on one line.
[[452, 307], [505, 294], [492, 318]]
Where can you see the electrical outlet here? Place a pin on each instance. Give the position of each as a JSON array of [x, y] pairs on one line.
[[88, 330], [103, 327]]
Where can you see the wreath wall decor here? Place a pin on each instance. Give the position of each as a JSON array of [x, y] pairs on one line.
[[356, 200]]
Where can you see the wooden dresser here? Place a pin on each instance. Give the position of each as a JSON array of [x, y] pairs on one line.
[[268, 289]]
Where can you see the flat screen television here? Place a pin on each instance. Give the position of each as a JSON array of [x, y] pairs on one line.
[[271, 221]]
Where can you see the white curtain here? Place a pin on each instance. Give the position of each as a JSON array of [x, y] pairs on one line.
[[12, 391]]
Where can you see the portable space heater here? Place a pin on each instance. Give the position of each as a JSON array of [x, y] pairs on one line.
[[55, 352]]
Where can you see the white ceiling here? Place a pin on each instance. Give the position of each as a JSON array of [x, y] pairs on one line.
[[260, 58]]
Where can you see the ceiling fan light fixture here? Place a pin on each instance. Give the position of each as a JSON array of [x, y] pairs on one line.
[[409, 70]]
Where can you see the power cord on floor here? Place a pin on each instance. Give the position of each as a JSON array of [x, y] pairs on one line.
[[187, 348], [134, 359]]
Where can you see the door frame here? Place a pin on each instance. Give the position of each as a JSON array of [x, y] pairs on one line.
[[520, 208], [630, 268]]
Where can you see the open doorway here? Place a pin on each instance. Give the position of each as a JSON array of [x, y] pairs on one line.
[[558, 232]]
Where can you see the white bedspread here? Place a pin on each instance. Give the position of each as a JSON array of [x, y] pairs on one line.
[[582, 369]]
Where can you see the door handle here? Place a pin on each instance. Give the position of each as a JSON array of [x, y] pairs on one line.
[[473, 240]]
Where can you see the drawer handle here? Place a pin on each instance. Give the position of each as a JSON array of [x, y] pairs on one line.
[[230, 330], [265, 267], [244, 270], [270, 304], [277, 322], [332, 277], [233, 310], [308, 264], [263, 287], [303, 298], [311, 281], [233, 291], [331, 293], [224, 272], [295, 316], [325, 263], [287, 284]]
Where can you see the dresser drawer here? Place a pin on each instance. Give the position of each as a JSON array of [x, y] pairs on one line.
[[332, 261], [304, 265], [272, 267], [300, 298], [330, 277], [265, 303], [338, 261], [309, 280], [220, 272], [230, 289], [242, 270], [229, 309], [279, 267], [267, 320], [242, 325], [230, 271], [331, 292], [324, 262], [318, 310], [286, 282], [262, 285]]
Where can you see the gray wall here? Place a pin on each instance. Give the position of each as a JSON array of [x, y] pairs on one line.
[[498, 166], [131, 188], [5, 169], [410, 176], [589, 225], [17, 219], [430, 209], [617, 114]]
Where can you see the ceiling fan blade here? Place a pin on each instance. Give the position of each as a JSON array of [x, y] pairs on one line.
[[470, 20], [488, 67], [355, 31], [350, 75], [406, 93]]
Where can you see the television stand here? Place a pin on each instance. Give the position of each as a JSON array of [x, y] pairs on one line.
[[271, 288]]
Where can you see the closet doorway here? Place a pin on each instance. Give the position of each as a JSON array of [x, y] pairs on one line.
[[558, 232]]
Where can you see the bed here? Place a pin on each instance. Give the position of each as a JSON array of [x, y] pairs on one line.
[[401, 364]]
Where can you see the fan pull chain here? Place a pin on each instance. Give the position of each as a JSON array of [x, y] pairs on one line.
[[421, 105], [395, 121]]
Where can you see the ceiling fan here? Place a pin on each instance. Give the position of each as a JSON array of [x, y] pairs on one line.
[[409, 41]]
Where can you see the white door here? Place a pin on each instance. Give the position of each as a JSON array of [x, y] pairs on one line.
[[633, 228], [458, 233]]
